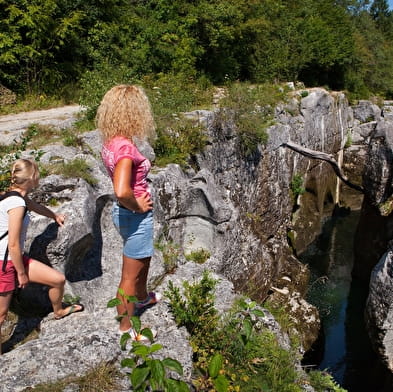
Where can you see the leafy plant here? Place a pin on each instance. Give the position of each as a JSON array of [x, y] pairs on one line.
[[196, 309], [234, 352], [170, 253], [53, 202], [95, 83], [180, 139], [296, 185], [252, 107], [147, 372], [170, 95], [323, 381], [198, 256], [71, 138], [215, 368]]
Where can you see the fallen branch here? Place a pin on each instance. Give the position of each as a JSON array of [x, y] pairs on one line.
[[324, 157]]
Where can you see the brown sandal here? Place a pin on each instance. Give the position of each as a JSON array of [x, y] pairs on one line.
[[72, 309]]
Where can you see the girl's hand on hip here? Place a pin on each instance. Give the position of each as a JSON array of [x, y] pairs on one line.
[[144, 203]]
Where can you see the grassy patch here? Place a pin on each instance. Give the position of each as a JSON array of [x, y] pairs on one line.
[[84, 124], [77, 168], [253, 108], [323, 381], [103, 378], [178, 141], [28, 102], [198, 256]]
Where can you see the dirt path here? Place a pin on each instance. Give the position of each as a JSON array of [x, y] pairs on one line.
[[13, 125]]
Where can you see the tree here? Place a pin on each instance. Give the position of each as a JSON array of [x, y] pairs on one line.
[[382, 16]]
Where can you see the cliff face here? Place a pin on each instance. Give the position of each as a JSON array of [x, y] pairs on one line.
[[239, 209], [374, 236]]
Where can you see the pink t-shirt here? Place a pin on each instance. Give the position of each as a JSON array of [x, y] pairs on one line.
[[120, 147]]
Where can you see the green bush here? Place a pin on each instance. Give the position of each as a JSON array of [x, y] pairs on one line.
[[235, 352], [196, 311], [77, 168], [323, 381], [95, 83], [198, 256], [253, 108], [178, 141], [297, 187]]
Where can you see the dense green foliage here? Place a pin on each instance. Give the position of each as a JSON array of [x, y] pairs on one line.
[[46, 46], [233, 352]]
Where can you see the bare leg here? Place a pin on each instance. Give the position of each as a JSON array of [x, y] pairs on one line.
[[5, 300], [41, 273], [133, 282]]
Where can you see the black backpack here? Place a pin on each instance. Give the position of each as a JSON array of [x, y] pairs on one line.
[[2, 197]]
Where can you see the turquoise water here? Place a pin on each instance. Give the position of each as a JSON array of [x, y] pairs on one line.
[[346, 351]]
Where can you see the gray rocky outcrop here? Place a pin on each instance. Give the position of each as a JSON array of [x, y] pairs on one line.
[[375, 226], [238, 208], [379, 309], [373, 251]]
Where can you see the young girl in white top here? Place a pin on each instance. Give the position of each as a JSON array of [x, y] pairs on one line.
[[16, 268]]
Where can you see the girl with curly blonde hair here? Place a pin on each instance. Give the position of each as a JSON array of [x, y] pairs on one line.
[[125, 115]]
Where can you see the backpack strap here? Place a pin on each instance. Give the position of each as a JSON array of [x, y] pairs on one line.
[[2, 197]]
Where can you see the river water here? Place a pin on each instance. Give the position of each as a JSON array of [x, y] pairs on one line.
[[345, 350]]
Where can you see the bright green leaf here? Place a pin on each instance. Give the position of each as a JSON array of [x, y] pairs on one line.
[[258, 313], [140, 349], [128, 362], [173, 364], [113, 302], [221, 383], [215, 365], [157, 371], [136, 323], [138, 376], [247, 328], [155, 347]]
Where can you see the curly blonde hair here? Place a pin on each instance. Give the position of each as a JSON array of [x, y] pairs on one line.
[[125, 111]]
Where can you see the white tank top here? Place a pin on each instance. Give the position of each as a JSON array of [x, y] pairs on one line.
[[6, 205]]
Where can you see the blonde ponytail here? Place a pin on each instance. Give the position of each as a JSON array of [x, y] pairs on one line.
[[23, 170]]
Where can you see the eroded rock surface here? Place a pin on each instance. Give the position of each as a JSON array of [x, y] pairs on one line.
[[238, 208]]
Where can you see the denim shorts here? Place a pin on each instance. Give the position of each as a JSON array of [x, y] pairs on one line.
[[136, 230]]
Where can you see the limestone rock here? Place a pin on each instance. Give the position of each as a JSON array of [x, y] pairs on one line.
[[379, 308], [238, 208]]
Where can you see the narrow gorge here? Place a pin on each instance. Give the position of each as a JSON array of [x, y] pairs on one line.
[[246, 210]]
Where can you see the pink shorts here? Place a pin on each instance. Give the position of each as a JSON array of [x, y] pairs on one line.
[[8, 278]]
